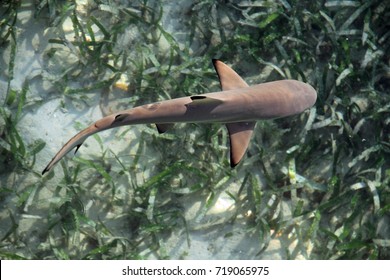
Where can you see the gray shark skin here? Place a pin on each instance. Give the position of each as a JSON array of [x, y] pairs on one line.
[[238, 106]]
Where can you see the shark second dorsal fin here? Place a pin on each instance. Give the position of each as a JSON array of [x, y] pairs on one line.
[[228, 78], [240, 134]]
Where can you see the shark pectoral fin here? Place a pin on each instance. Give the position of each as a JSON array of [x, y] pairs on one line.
[[163, 127], [240, 135], [228, 78]]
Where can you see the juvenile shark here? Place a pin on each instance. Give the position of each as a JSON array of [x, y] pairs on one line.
[[237, 105]]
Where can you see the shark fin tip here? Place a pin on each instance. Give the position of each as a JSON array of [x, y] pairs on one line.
[[47, 169], [163, 127], [197, 97], [77, 148]]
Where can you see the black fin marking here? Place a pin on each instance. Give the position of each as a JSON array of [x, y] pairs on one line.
[[77, 148], [163, 127], [120, 117], [197, 97]]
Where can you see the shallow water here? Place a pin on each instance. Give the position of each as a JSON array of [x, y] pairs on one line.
[[311, 186]]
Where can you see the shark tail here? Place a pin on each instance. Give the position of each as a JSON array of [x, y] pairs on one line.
[[77, 140]]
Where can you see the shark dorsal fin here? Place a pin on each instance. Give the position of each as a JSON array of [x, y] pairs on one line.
[[240, 134], [228, 78]]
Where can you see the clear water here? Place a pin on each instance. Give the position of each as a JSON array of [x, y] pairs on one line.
[[313, 186]]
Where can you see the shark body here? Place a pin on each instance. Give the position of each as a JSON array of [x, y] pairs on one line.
[[238, 106]]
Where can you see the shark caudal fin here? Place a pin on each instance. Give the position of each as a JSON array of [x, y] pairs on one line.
[[77, 140], [239, 133]]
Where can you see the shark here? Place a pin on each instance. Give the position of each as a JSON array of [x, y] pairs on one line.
[[237, 105]]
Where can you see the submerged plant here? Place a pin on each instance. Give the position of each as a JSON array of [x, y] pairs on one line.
[[319, 182]]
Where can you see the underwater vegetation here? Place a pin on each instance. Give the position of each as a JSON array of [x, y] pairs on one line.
[[319, 181]]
